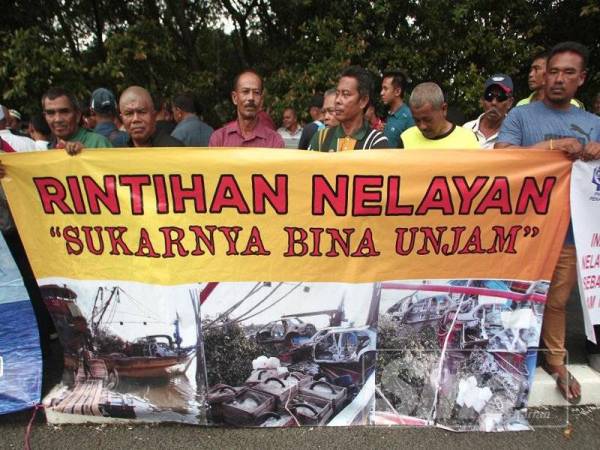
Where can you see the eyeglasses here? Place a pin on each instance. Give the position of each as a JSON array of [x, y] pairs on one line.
[[500, 96]]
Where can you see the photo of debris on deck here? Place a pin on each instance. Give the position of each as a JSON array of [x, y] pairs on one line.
[[290, 354], [130, 352], [457, 353]]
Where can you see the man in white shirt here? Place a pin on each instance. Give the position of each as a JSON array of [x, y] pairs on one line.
[[11, 142], [291, 130], [497, 99]]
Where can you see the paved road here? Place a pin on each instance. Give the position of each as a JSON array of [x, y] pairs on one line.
[[585, 434]]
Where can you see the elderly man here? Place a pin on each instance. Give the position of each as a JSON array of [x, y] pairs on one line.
[[190, 129], [497, 99], [555, 124], [63, 115], [139, 119], [352, 97], [246, 130], [290, 131], [328, 110], [432, 129]]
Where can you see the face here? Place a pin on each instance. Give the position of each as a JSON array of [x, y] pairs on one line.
[[496, 103], [564, 75], [177, 114], [61, 116], [139, 117], [388, 91], [348, 102], [315, 113], [430, 121], [536, 74], [329, 111], [289, 119], [248, 96]]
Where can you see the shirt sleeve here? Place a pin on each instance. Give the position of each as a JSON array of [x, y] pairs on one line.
[[382, 141], [511, 131], [215, 139], [314, 142]]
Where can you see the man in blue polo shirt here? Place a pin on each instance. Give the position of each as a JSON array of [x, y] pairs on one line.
[[399, 117], [555, 124]]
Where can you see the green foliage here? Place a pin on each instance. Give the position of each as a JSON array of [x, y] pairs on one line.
[[229, 354], [300, 46]]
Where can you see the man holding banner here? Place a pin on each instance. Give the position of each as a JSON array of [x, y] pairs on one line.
[[555, 124]]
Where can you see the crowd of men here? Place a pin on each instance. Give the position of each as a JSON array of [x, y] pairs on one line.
[[343, 119]]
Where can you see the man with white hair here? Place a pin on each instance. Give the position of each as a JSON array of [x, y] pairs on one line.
[[432, 130]]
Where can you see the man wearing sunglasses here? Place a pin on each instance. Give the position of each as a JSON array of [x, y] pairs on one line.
[[496, 101]]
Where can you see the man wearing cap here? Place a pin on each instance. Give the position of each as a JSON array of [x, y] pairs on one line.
[[104, 107], [432, 129], [10, 142], [497, 99]]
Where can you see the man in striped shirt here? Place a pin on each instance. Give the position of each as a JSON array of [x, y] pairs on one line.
[[352, 97]]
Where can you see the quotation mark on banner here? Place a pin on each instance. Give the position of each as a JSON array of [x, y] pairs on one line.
[[531, 230]]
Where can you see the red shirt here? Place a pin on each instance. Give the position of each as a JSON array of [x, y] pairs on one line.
[[231, 136]]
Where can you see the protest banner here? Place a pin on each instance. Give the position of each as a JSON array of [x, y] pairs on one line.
[[20, 353], [284, 288], [585, 204]]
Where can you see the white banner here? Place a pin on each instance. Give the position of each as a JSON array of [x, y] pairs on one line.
[[585, 212]]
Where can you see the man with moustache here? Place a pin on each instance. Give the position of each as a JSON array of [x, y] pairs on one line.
[[352, 97], [497, 99], [63, 114], [139, 119], [246, 130], [553, 123]]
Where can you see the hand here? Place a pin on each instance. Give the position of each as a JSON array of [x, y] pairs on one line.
[[571, 146], [591, 151], [73, 148]]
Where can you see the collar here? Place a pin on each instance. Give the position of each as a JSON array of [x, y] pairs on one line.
[[396, 113], [79, 135], [234, 128], [358, 134]]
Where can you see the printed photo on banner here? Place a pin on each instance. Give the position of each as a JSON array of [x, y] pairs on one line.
[[20, 352]]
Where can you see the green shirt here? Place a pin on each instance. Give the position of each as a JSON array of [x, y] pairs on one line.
[[335, 140], [89, 139]]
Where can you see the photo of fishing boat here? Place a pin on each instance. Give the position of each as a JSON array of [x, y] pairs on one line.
[[123, 360]]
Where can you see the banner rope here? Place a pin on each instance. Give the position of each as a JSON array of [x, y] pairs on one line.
[[27, 445]]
